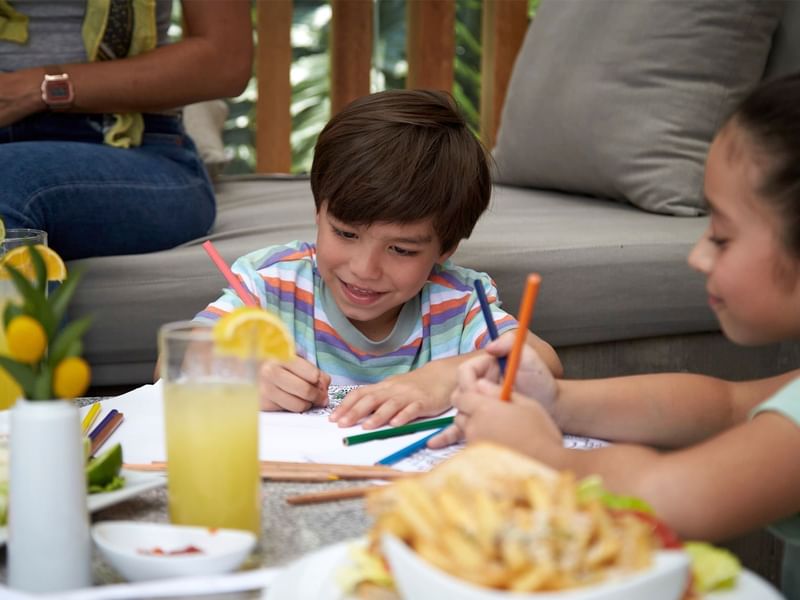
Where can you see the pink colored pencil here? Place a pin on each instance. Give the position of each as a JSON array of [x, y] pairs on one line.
[[237, 286]]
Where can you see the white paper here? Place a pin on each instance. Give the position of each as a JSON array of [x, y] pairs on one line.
[[283, 436]]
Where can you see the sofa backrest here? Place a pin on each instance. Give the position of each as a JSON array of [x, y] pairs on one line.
[[785, 54]]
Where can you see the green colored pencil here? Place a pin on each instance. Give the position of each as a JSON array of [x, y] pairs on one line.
[[381, 434]]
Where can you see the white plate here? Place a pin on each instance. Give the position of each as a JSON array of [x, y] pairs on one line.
[[136, 482], [313, 577]]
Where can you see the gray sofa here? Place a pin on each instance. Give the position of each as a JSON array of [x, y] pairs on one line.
[[617, 295]]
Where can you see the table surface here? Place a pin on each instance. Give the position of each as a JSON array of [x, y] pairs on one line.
[[287, 531]]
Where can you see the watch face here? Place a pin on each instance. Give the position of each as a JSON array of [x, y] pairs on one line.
[[59, 91]]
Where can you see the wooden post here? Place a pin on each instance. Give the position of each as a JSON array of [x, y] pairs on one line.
[[503, 30], [273, 107], [351, 51], [431, 44]]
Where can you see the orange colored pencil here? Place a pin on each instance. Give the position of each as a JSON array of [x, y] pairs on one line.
[[525, 314]]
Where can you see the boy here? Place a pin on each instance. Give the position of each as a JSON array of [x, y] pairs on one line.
[[398, 181]]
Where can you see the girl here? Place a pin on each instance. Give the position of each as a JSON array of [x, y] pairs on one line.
[[731, 454]]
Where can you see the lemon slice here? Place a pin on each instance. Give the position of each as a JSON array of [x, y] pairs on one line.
[[253, 332], [20, 259]]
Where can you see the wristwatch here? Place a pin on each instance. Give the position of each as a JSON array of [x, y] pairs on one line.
[[57, 91]]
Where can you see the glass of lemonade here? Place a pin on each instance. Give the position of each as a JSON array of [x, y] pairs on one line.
[[9, 390], [211, 419]]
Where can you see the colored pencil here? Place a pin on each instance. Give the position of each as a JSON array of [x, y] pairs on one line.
[[237, 286], [391, 432], [525, 314], [396, 457], [331, 495], [89, 418], [105, 433], [487, 316], [94, 433]]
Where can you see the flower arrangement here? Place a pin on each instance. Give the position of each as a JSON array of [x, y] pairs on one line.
[[43, 357]]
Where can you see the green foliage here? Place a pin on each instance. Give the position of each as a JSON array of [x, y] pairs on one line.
[[310, 104], [36, 380]]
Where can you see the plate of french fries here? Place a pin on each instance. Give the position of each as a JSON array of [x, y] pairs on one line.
[[490, 523]]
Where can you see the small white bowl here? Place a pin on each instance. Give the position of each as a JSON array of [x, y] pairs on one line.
[[416, 578], [129, 547]]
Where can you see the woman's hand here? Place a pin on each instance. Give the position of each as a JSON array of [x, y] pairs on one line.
[[20, 95], [295, 386]]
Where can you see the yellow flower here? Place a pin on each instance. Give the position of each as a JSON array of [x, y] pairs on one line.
[[71, 377], [26, 339]]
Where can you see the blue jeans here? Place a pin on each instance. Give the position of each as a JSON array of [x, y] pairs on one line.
[[94, 200]]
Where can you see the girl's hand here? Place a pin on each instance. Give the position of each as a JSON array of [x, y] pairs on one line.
[[520, 424], [534, 378], [295, 386], [396, 400]]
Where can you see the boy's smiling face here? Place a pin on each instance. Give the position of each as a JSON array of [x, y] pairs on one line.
[[373, 270]]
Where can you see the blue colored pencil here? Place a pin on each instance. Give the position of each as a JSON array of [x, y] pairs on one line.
[[102, 424], [487, 315], [396, 457]]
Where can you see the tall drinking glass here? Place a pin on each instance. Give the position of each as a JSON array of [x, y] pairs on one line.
[[9, 390], [211, 418]]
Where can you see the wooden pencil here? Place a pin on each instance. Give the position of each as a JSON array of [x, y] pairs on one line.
[[311, 472], [331, 495]]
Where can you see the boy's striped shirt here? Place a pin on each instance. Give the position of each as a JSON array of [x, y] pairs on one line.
[[443, 320]]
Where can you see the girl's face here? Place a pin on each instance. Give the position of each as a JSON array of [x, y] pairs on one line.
[[373, 270], [753, 282]]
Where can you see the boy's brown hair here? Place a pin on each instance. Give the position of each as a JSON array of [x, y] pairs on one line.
[[401, 156]]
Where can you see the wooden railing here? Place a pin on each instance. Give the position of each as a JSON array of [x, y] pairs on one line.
[[430, 50]]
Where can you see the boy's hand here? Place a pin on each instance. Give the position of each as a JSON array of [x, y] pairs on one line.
[[397, 400], [295, 386]]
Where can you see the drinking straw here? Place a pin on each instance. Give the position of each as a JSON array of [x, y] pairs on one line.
[[102, 424], [237, 286], [487, 316], [105, 433], [525, 314], [408, 450], [89, 418], [390, 432]]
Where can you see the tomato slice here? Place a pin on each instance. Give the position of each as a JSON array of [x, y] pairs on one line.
[[668, 539]]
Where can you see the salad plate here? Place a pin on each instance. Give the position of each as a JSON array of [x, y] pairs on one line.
[[315, 577], [136, 482]]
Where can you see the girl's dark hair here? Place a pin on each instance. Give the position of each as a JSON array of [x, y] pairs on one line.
[[770, 118], [402, 156]]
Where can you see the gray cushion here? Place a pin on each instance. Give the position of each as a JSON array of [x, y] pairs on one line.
[[785, 54], [620, 98], [610, 271]]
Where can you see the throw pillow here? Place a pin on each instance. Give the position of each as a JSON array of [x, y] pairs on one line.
[[204, 122], [620, 98]]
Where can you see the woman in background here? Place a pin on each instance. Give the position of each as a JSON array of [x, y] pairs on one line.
[[92, 149]]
